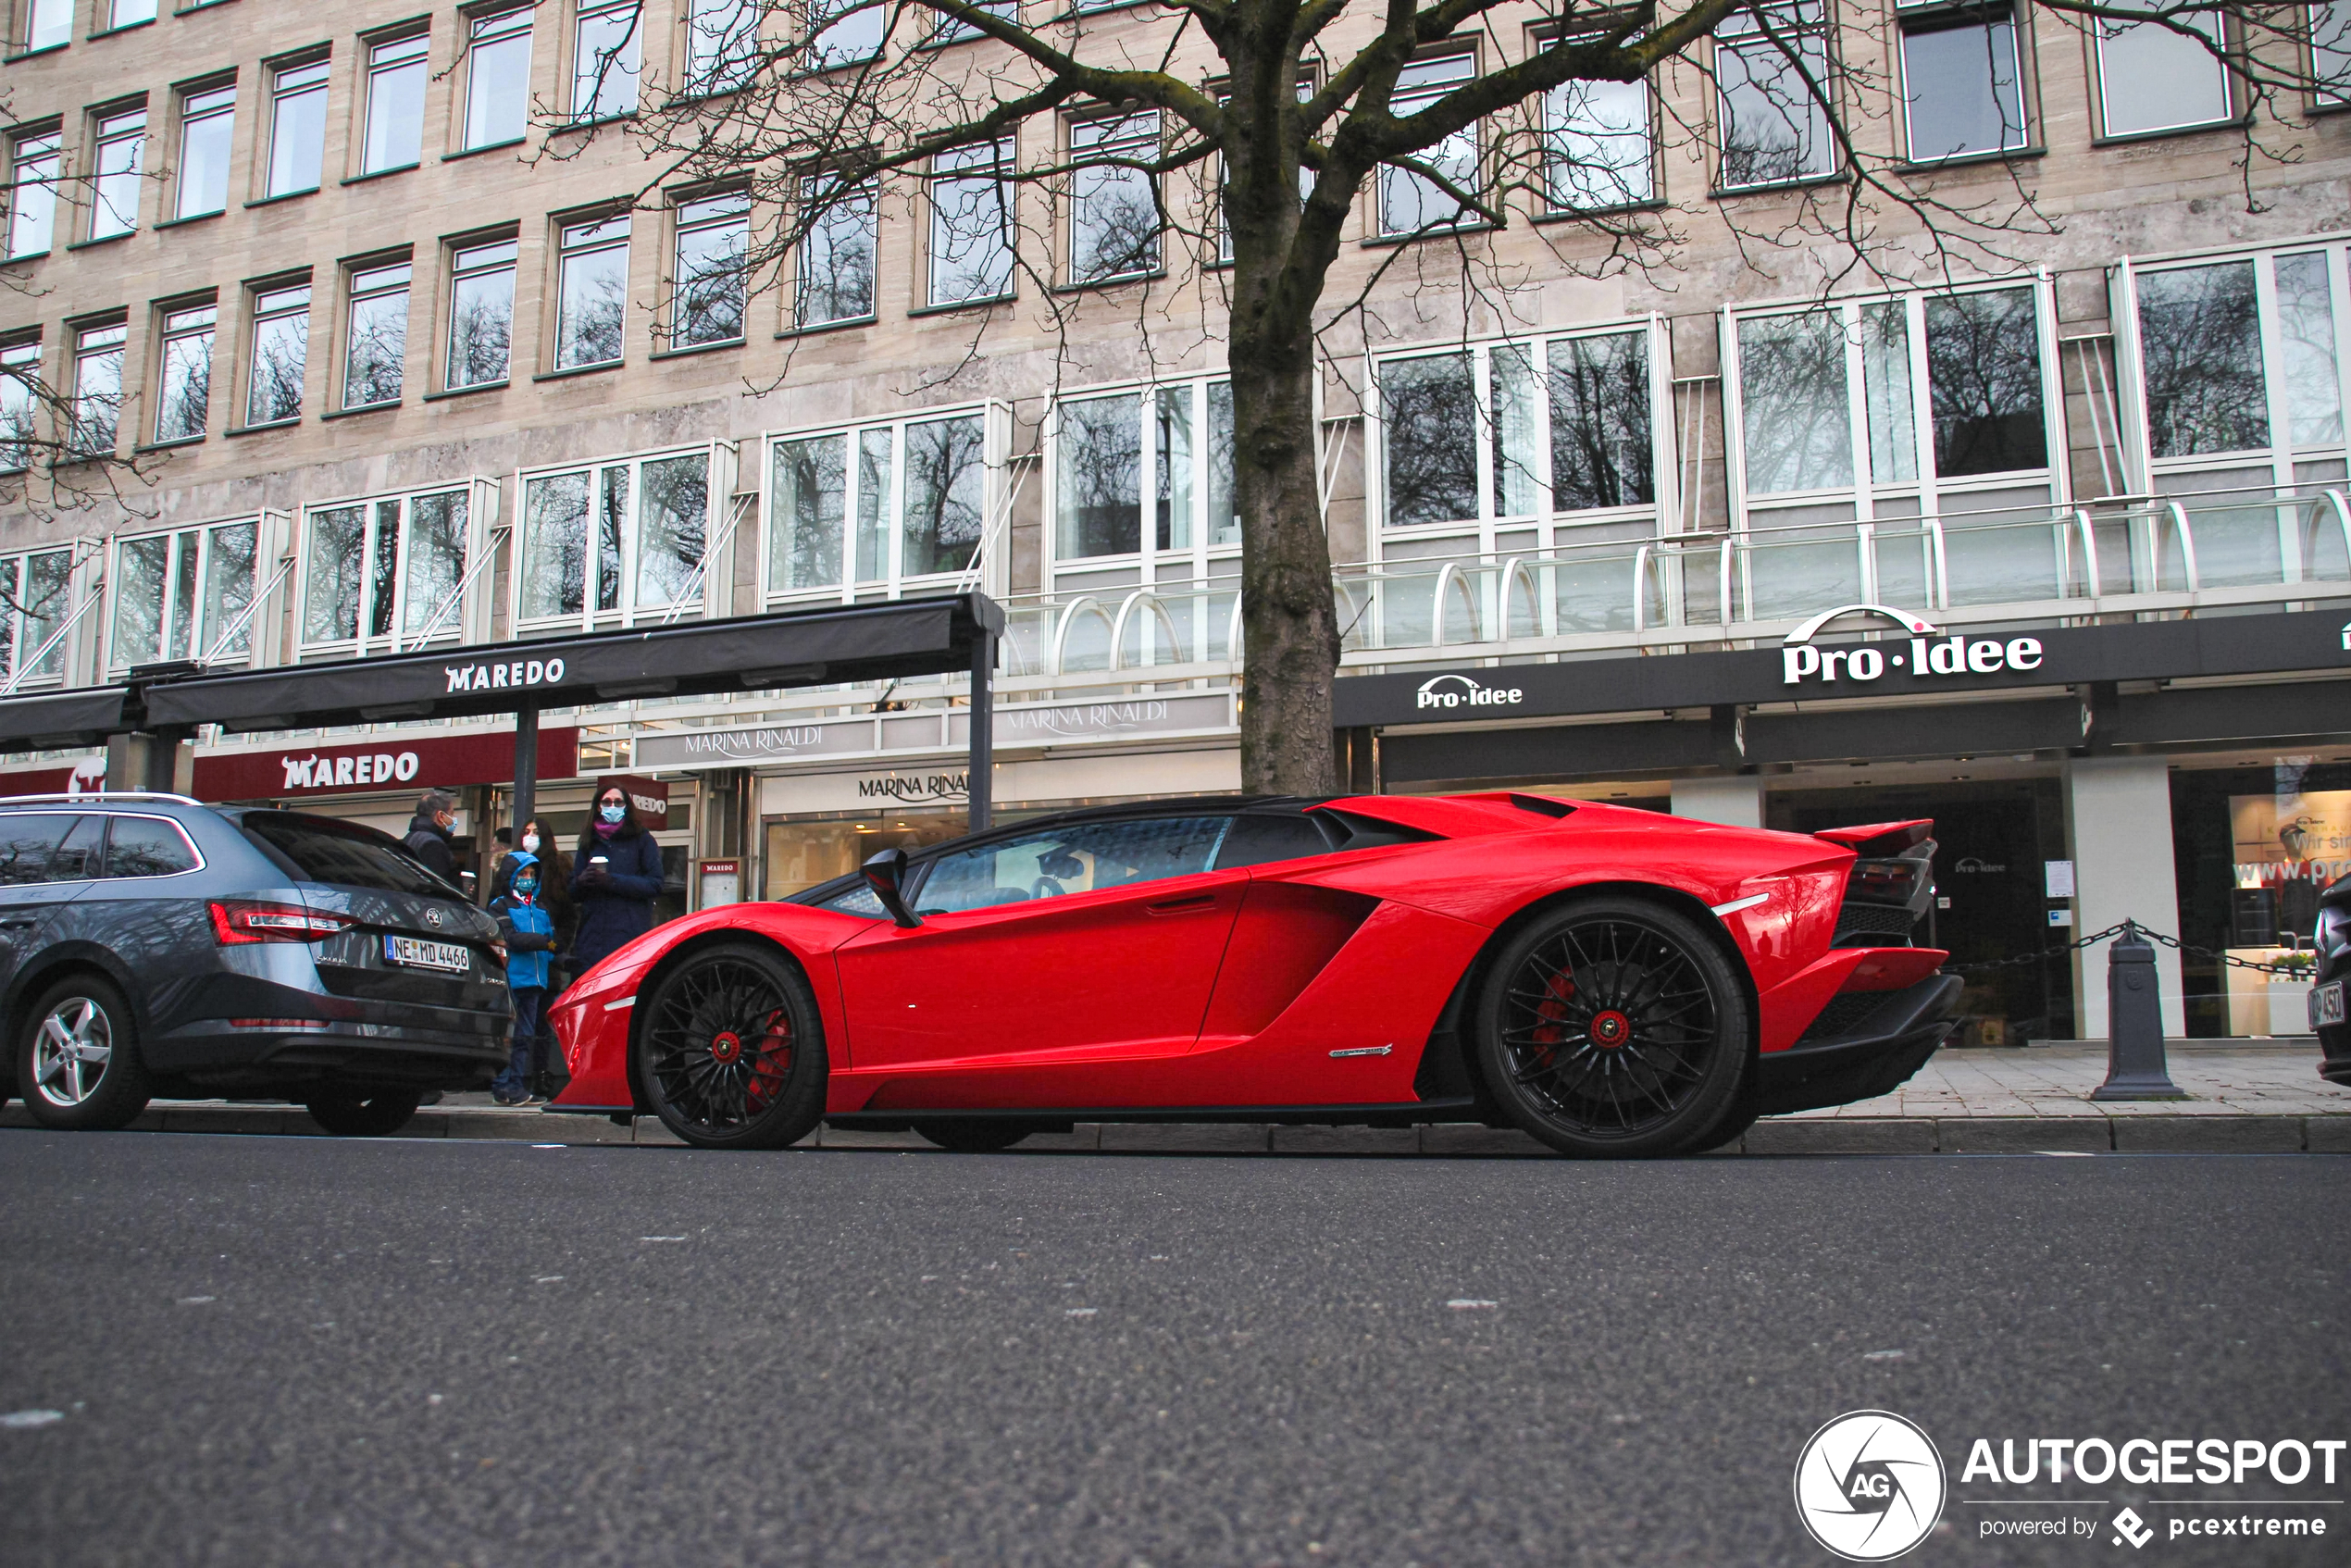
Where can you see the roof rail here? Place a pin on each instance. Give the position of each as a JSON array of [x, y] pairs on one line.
[[102, 795]]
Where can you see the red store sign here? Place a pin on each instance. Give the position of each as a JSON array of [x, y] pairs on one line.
[[404, 763]]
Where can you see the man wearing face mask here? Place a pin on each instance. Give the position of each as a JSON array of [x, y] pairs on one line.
[[615, 876], [429, 835]]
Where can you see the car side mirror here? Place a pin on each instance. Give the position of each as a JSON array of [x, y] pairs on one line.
[[885, 874]]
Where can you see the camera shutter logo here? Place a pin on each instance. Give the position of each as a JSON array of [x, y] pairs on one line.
[[1870, 1486]]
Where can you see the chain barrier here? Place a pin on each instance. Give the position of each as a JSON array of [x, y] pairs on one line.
[[2304, 970]]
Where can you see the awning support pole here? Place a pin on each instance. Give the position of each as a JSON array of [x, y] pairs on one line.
[[983, 727], [526, 767]]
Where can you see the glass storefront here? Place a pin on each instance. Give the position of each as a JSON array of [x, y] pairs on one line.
[[2256, 847], [802, 852]]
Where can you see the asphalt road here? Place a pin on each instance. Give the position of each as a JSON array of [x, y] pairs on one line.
[[293, 1350]]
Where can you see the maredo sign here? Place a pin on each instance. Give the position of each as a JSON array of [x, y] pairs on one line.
[[416, 763], [1928, 652]]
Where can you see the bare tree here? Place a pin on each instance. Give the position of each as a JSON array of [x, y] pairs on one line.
[[1245, 132]]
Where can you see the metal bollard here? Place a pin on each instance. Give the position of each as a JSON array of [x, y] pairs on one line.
[[2135, 1065]]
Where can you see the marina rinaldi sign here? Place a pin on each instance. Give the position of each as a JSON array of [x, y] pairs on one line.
[[1928, 652]]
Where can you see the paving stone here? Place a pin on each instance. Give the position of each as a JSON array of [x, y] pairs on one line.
[[1467, 1138], [1842, 1135], [1346, 1141], [2023, 1135], [2209, 1134], [1186, 1138], [2327, 1135]]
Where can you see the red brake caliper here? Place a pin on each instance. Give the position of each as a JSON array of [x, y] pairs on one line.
[[1552, 1010], [771, 1061]]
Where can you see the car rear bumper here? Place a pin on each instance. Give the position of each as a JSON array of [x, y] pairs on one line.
[[281, 1038], [2334, 1064], [1864, 1044]]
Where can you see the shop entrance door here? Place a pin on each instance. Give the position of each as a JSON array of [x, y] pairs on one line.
[[1992, 843]]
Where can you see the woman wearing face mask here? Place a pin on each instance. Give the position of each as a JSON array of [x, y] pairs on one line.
[[615, 876]]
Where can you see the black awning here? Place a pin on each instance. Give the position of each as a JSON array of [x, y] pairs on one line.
[[699, 659], [83, 716]]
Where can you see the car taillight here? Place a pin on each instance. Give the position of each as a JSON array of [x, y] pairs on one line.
[[235, 922]]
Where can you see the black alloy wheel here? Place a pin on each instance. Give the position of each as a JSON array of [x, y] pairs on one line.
[[1614, 1027], [975, 1134], [349, 1113], [729, 1050]]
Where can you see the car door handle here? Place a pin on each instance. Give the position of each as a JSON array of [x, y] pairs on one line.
[[1183, 905]]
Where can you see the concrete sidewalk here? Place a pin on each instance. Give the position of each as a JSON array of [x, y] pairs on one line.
[[2257, 1098]]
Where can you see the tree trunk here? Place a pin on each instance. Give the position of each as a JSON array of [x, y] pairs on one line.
[[1289, 626]]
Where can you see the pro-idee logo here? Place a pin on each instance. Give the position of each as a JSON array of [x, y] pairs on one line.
[[1869, 1486]]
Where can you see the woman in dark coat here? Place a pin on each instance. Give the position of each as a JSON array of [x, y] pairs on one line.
[[615, 876]]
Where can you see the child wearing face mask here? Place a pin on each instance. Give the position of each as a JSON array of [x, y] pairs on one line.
[[529, 934]]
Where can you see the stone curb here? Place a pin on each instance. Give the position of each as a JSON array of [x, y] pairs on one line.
[[2138, 1133]]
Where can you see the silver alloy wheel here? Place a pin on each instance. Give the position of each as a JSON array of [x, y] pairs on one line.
[[70, 1053]]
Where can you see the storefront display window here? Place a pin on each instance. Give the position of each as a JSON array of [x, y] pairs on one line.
[[2256, 848], [803, 853]]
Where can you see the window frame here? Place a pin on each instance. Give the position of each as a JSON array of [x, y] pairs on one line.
[[1006, 156], [1189, 566], [995, 446], [1113, 141], [16, 568], [718, 488], [485, 27], [89, 347], [464, 259], [629, 63], [372, 70], [176, 323], [24, 31], [800, 322], [53, 136], [594, 240], [202, 635], [734, 41], [110, 126], [260, 313], [1652, 163], [692, 215], [277, 97], [1378, 231], [1751, 34], [2234, 109], [1958, 13], [363, 283], [198, 104], [467, 623], [19, 401]]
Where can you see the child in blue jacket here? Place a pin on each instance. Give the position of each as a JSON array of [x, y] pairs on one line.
[[530, 932]]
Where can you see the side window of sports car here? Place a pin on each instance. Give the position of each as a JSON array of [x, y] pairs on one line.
[[858, 900], [1079, 857], [1259, 838]]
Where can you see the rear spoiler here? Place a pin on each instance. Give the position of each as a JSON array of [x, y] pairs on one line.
[[1873, 839]]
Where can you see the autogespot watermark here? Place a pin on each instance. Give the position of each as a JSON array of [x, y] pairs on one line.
[[1871, 1485]]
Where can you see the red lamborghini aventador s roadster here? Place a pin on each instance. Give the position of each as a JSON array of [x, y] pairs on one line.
[[1613, 981]]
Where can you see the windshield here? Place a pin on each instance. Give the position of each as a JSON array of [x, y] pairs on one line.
[[319, 849]]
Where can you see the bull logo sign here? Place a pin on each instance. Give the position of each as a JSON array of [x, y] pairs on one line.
[[1927, 652]]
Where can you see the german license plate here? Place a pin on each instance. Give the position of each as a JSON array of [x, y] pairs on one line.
[[410, 952], [2326, 1003]]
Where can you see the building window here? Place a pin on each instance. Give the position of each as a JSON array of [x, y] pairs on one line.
[[498, 78], [722, 44], [297, 127], [383, 575], [35, 594], [481, 313], [20, 397], [35, 162], [971, 225], [208, 125], [945, 29], [620, 539], [1962, 84], [2331, 52], [1772, 83], [395, 132], [1120, 458], [1598, 146], [97, 389], [114, 186], [591, 289], [708, 286], [281, 344], [1518, 432], [1408, 204], [130, 13], [835, 274], [1113, 207], [604, 59], [845, 33], [183, 595], [183, 379], [376, 346], [876, 506], [2153, 77], [48, 24]]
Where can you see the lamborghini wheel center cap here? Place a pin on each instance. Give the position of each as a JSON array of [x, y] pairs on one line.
[[726, 1047], [1611, 1027]]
